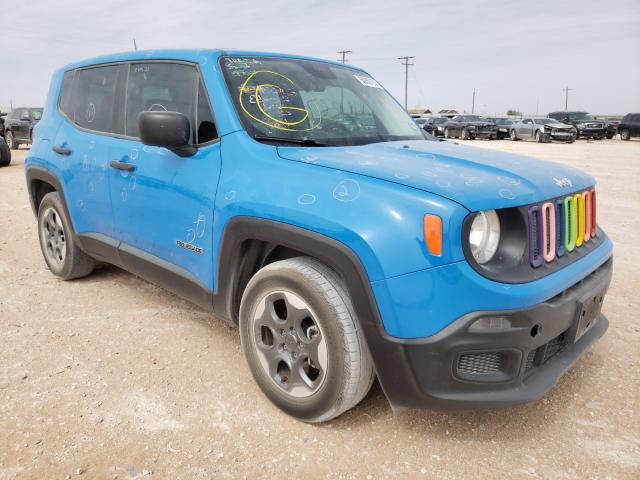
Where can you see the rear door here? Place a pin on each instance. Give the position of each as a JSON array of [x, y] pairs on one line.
[[163, 203], [22, 124], [91, 117]]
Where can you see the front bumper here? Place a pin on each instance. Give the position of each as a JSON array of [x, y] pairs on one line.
[[514, 357], [592, 132]]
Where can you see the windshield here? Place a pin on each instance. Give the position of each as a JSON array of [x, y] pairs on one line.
[[36, 113], [440, 120], [542, 121], [581, 116], [315, 102], [503, 121]]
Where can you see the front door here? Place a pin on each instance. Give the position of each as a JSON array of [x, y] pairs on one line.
[[163, 203]]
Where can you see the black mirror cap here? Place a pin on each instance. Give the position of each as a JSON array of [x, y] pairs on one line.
[[166, 129]]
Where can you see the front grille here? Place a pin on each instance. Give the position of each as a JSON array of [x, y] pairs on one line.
[[480, 363], [560, 226]]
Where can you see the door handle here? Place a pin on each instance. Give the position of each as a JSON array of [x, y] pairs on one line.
[[127, 167], [61, 150]]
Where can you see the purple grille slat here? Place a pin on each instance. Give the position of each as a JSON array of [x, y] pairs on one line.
[[536, 242]]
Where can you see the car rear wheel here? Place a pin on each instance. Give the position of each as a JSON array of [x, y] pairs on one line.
[[5, 154], [625, 134], [465, 134], [11, 141], [302, 341], [446, 133], [57, 241]]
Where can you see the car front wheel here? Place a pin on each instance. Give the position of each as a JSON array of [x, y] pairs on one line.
[[625, 134], [513, 135], [302, 341]]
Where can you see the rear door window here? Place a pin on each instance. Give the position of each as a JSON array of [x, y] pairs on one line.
[[95, 97], [159, 86]]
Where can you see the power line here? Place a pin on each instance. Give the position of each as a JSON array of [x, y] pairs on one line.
[[406, 65], [344, 55]]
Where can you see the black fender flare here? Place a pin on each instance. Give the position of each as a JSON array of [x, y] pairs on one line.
[[37, 172], [389, 354]]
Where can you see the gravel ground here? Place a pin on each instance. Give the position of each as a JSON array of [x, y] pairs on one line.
[[112, 377]]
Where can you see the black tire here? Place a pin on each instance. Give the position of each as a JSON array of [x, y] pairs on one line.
[[348, 372], [609, 137], [464, 134], [10, 140], [625, 134], [446, 132], [513, 135], [5, 154], [537, 136], [58, 242]]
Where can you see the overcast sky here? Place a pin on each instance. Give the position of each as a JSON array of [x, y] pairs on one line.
[[516, 54]]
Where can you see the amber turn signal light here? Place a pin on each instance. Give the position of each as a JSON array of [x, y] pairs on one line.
[[433, 233]]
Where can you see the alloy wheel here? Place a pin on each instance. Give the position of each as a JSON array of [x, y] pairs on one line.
[[54, 236], [290, 343]]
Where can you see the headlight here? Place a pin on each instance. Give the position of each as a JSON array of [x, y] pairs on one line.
[[484, 236], [581, 125], [472, 127]]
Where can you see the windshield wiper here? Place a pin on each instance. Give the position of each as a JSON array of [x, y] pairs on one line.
[[306, 142]]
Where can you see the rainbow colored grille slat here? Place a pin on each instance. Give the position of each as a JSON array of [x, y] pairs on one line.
[[558, 227]]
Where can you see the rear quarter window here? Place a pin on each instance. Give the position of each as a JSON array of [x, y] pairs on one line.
[[94, 98], [65, 97]]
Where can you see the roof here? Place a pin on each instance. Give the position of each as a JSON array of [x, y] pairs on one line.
[[191, 55]]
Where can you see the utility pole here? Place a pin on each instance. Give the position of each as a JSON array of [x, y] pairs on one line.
[[473, 101], [135, 46], [344, 55], [566, 97], [406, 65]]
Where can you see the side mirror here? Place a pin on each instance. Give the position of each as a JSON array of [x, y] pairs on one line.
[[170, 130]]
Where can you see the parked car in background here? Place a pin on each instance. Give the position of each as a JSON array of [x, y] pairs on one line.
[[586, 124], [435, 126], [612, 127], [5, 153], [420, 121], [468, 127], [629, 126], [502, 125], [18, 126], [542, 129]]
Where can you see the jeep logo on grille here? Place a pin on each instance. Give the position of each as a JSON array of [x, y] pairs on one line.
[[563, 182]]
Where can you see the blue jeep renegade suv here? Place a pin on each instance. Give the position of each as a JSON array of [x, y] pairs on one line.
[[296, 199]]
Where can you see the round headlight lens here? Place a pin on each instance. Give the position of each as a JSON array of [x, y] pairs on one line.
[[484, 236]]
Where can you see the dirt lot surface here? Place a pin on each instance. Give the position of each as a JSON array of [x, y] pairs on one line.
[[111, 377]]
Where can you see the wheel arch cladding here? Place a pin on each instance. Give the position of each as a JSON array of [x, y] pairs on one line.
[[386, 354]]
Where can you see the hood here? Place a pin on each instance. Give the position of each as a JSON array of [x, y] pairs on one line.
[[477, 178], [558, 125]]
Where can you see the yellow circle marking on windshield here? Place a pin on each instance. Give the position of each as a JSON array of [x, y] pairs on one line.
[[256, 89]]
